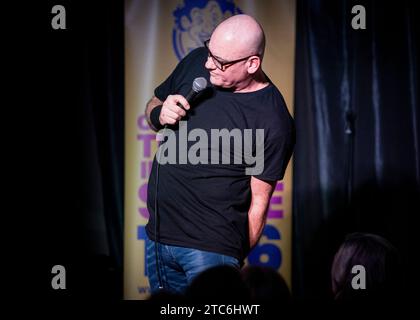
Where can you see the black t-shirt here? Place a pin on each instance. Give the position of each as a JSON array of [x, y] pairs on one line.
[[205, 205]]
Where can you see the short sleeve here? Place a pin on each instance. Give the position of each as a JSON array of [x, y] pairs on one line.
[[181, 74], [278, 149]]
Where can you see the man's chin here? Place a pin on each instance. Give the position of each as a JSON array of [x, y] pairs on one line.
[[216, 81]]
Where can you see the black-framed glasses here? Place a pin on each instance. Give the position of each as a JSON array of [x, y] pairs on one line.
[[223, 65]]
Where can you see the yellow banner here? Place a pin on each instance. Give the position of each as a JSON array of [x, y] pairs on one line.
[[157, 35]]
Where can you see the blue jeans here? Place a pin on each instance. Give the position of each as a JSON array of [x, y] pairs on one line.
[[180, 265]]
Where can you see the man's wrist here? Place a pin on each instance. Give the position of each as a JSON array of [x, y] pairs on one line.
[[154, 117]]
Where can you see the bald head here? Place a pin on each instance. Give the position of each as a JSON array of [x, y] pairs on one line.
[[238, 36]]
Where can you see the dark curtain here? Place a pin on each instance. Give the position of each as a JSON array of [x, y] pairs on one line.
[[103, 99], [77, 127], [357, 157]]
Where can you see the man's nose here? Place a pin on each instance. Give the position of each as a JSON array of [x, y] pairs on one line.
[[210, 63]]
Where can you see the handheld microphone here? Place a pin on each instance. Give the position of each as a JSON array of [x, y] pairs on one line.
[[199, 84]]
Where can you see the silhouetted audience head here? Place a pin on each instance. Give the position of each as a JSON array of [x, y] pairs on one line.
[[266, 285], [379, 260], [218, 284]]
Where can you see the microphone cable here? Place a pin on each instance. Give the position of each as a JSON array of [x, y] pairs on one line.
[[157, 208], [199, 84]]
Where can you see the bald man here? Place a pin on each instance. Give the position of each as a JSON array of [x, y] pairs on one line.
[[208, 212]]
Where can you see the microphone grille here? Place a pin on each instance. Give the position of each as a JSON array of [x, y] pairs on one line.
[[199, 84]]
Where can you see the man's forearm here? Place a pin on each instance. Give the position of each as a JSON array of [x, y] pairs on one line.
[[257, 216], [261, 192], [153, 103]]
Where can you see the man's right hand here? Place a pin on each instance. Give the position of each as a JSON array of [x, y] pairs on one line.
[[171, 113]]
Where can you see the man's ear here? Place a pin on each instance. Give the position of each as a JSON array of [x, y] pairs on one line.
[[253, 64]]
